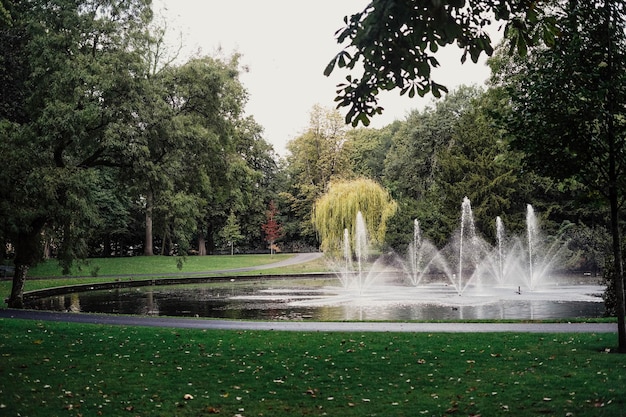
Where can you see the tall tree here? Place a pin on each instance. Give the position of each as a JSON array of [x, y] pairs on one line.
[[71, 108], [568, 111], [412, 160], [186, 145], [252, 174], [366, 150], [477, 163], [316, 158]]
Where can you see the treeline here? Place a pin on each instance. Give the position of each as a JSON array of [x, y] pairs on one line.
[[111, 147], [429, 162]]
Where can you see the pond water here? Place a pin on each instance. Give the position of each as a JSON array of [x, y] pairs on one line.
[[325, 300]]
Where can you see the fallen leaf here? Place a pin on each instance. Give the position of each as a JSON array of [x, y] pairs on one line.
[[212, 410]]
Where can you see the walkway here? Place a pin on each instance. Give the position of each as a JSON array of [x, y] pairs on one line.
[[310, 326]]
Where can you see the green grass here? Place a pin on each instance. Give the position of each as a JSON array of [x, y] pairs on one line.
[[61, 369], [49, 274], [152, 265]]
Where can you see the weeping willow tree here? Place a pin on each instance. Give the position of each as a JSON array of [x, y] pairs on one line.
[[337, 209]]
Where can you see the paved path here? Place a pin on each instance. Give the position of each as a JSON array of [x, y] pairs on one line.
[[311, 326]]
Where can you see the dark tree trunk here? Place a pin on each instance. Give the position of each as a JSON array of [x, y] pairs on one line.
[[210, 242], [147, 246], [106, 246], [27, 253], [620, 302], [16, 300]]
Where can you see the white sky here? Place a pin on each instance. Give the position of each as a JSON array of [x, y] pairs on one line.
[[286, 45]]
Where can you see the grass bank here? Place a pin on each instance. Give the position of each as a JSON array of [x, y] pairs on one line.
[[49, 369], [49, 274]]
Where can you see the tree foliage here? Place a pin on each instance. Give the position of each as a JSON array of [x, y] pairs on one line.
[[337, 210], [568, 111], [88, 95], [395, 42], [70, 107], [231, 232], [316, 158]]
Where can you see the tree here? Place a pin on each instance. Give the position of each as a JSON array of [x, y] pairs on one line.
[[231, 232], [477, 163], [568, 112], [186, 146], [395, 41], [272, 229], [251, 180], [70, 109], [366, 150], [412, 160], [337, 210], [316, 158]]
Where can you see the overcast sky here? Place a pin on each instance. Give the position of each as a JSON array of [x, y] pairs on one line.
[[286, 45]]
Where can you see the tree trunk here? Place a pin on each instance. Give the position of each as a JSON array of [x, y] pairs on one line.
[[210, 240], [16, 300], [147, 246], [27, 252], [201, 245], [620, 301]]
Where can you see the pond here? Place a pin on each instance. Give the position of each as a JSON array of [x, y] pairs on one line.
[[324, 300]]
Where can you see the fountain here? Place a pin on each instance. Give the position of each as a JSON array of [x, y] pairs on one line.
[[468, 264]]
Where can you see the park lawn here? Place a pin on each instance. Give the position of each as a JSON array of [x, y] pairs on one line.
[[62, 369], [152, 265], [49, 273]]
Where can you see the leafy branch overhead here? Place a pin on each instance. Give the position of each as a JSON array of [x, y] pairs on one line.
[[395, 41]]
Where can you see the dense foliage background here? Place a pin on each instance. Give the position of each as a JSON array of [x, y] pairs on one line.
[[112, 146]]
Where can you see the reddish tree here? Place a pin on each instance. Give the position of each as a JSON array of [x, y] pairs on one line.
[[272, 229]]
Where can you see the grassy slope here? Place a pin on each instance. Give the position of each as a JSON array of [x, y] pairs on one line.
[[65, 369], [155, 266]]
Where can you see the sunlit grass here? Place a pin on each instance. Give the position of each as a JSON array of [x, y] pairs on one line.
[[75, 369]]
